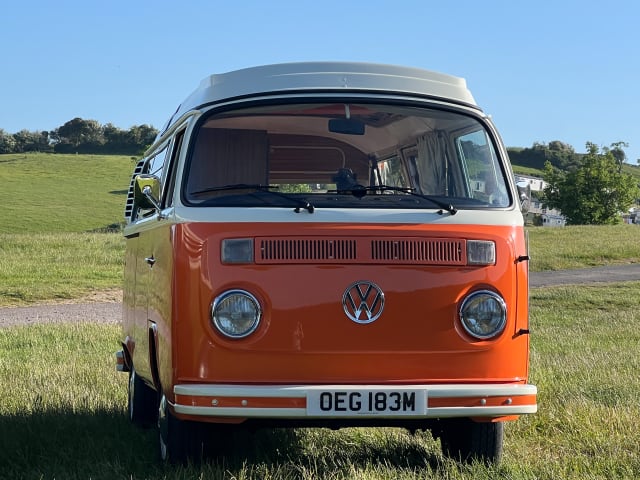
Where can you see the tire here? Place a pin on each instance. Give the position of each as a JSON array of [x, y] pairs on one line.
[[142, 402], [179, 441], [467, 441]]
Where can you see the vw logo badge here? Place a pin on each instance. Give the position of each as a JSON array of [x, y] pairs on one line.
[[363, 302]]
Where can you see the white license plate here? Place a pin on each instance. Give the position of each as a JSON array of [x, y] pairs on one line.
[[369, 402]]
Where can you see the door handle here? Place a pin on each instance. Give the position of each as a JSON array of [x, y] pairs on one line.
[[150, 260]]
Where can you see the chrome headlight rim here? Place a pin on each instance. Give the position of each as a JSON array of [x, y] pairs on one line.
[[225, 295], [500, 326]]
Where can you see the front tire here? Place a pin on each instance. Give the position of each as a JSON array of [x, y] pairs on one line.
[[465, 440], [179, 440]]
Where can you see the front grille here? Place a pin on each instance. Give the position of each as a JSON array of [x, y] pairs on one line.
[[360, 250]]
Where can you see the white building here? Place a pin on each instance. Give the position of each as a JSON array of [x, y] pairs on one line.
[[537, 184]]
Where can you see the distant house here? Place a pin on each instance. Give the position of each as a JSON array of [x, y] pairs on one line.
[[553, 220], [537, 214], [633, 217], [537, 184]]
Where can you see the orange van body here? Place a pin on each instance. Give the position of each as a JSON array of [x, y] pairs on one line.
[[402, 312]]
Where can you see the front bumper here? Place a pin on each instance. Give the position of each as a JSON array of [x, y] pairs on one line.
[[297, 401]]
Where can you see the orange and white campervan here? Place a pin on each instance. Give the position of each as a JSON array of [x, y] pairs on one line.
[[327, 244]]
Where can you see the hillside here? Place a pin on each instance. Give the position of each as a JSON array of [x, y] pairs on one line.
[[530, 161], [62, 193]]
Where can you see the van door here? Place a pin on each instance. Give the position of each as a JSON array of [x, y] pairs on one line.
[[154, 267]]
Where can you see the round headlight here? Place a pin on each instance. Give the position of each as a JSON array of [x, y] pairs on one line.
[[483, 314], [236, 313]]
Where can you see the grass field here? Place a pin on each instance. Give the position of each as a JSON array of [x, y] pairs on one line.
[[62, 413], [62, 193]]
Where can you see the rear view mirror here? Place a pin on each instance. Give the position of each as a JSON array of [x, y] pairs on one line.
[[346, 126]]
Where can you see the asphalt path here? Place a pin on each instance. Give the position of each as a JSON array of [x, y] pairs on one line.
[[607, 274], [111, 312]]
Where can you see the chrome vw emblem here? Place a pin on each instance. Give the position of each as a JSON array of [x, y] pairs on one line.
[[363, 302]]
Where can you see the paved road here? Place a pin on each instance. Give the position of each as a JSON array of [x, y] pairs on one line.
[[105, 312], [612, 273], [111, 312]]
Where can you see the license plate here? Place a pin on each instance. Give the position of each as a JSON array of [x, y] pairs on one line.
[[369, 402]]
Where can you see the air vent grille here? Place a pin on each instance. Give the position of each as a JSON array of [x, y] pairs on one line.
[[305, 250], [128, 209], [361, 250], [431, 251]]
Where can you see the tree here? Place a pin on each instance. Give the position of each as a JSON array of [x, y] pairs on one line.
[[7, 142], [141, 136], [618, 153], [27, 141], [79, 132], [593, 193], [559, 154]]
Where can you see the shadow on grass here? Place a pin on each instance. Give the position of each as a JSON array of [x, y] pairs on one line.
[[103, 444]]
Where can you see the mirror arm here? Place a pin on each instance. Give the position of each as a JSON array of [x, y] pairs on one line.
[[148, 193]]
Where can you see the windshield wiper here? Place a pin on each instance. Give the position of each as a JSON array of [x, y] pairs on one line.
[[360, 191], [300, 203]]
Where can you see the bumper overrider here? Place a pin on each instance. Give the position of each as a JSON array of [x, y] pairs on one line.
[[491, 401]]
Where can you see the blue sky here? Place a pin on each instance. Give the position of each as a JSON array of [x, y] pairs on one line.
[[545, 70]]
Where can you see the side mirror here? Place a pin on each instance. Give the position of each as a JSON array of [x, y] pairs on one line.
[[524, 193], [146, 192]]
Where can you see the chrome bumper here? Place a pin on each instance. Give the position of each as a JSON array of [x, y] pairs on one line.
[[291, 401]]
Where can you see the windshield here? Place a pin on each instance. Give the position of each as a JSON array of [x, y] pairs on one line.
[[343, 155]]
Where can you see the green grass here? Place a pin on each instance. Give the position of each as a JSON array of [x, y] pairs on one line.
[[62, 413], [522, 170], [583, 246], [57, 266], [62, 193]]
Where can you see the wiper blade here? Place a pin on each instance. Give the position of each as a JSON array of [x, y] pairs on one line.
[[360, 191], [236, 186], [300, 203]]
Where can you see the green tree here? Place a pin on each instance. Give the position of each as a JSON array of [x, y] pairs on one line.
[[593, 193], [7, 142], [79, 132], [618, 153], [27, 141]]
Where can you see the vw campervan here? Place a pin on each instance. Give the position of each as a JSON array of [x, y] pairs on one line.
[[327, 244]]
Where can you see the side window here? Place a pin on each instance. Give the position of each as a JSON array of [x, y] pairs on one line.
[[155, 164], [170, 182], [484, 176]]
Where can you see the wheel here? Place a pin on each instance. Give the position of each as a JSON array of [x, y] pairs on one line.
[[142, 401], [179, 440], [466, 440]]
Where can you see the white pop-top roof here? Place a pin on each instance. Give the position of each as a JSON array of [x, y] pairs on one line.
[[326, 76]]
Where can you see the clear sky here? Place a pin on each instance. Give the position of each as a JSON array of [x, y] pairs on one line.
[[545, 70]]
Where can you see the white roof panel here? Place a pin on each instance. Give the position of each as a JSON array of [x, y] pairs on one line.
[[327, 76]]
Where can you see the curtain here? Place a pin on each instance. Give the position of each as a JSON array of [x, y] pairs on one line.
[[431, 164]]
